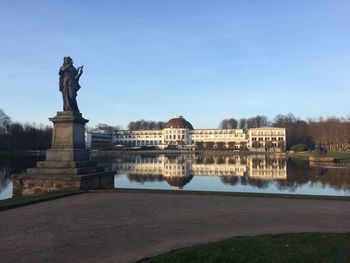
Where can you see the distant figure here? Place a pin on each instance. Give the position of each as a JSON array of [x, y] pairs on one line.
[[69, 84]]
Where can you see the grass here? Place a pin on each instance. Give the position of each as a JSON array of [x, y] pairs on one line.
[[339, 156], [303, 247], [26, 200]]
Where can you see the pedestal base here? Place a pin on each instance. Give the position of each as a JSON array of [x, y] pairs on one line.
[[68, 130], [68, 154], [38, 184], [68, 166]]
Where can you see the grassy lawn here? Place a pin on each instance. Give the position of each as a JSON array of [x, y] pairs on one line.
[[26, 200], [304, 247], [340, 155], [337, 155]]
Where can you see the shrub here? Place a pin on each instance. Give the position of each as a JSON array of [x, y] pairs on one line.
[[298, 147]]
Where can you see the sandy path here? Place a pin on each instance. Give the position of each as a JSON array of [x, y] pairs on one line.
[[124, 227]]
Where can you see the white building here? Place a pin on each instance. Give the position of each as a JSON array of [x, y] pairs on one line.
[[267, 139], [179, 133], [139, 138], [221, 138]]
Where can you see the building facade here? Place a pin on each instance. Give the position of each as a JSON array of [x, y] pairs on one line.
[[179, 133], [267, 138], [98, 139]]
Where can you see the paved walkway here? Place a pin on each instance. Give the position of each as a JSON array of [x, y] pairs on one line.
[[124, 227]]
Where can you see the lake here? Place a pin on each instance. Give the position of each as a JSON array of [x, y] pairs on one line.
[[226, 173]]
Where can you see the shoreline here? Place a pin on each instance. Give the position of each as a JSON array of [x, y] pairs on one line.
[[115, 153], [218, 193], [23, 152], [20, 201]]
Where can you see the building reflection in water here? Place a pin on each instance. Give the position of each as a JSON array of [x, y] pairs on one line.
[[254, 173], [179, 170]]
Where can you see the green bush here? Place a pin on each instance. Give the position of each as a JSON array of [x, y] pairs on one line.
[[298, 147]]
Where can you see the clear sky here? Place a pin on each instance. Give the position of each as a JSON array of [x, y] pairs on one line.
[[205, 60]]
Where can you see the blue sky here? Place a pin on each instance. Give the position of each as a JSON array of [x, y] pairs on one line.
[[205, 60]]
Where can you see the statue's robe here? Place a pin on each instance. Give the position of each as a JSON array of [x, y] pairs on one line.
[[69, 85]]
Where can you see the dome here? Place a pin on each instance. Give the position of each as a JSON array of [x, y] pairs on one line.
[[179, 122], [179, 181]]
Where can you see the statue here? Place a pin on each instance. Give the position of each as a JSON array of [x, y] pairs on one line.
[[69, 84]]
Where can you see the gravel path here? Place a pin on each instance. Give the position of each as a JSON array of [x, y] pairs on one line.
[[124, 227]]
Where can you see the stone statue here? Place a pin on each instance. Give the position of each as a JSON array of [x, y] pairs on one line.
[[69, 84]]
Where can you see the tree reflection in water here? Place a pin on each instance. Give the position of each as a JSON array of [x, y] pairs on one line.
[[142, 178], [258, 171], [299, 174], [245, 180], [15, 164]]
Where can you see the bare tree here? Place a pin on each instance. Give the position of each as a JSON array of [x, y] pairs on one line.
[[145, 125], [5, 121], [242, 123], [107, 127], [297, 130], [228, 124], [257, 122]]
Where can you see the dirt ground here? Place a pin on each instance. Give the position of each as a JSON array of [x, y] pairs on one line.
[[124, 227]]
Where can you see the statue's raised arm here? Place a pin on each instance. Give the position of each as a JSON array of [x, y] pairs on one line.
[[80, 72], [69, 84]]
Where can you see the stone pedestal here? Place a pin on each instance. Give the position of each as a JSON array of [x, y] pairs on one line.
[[68, 165]]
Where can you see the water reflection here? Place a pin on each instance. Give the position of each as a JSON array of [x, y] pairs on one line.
[[318, 175], [240, 172], [258, 166], [14, 164], [179, 170], [5, 182], [236, 173]]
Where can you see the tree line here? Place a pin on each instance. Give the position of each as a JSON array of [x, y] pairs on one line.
[[245, 123], [333, 133], [23, 136], [106, 127], [146, 125]]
